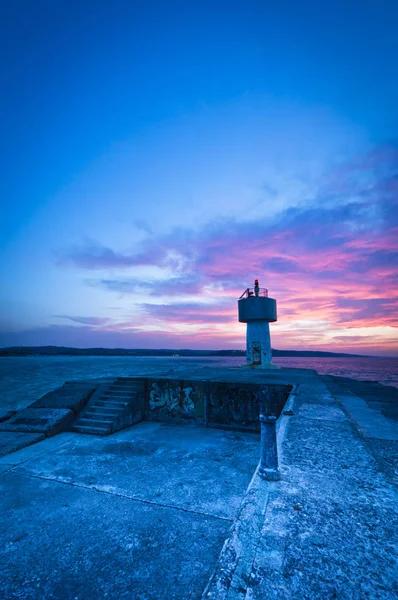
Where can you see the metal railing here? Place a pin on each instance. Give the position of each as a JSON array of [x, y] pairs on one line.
[[263, 292]]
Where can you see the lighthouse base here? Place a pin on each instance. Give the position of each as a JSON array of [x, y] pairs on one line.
[[258, 345]]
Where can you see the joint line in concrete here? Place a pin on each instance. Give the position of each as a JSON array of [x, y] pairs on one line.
[[127, 497]]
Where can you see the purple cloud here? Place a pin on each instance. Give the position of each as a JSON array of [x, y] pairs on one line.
[[189, 284], [86, 320], [191, 313], [95, 256], [343, 246]]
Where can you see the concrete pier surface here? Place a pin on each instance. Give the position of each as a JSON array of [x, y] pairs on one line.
[[173, 511]]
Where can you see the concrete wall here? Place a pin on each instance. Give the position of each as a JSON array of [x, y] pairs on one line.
[[174, 400], [213, 403]]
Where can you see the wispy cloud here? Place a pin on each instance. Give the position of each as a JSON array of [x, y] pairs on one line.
[[142, 225], [175, 286], [94, 321], [191, 313], [94, 256]]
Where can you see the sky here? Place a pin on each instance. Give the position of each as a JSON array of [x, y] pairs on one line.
[[159, 156]]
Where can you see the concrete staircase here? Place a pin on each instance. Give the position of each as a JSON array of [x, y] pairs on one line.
[[113, 406]]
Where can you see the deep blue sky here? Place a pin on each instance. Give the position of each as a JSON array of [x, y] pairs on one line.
[[87, 85]]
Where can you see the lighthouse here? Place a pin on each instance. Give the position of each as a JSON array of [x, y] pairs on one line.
[[257, 310]]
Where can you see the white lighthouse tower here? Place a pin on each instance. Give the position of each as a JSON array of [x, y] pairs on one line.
[[257, 310]]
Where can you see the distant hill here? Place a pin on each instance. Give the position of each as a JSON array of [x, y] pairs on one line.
[[65, 351]]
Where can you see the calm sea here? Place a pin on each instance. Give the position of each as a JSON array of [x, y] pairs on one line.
[[25, 379]]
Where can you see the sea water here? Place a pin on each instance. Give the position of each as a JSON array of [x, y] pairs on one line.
[[25, 379]]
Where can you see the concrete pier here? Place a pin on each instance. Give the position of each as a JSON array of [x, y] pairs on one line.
[[171, 510]]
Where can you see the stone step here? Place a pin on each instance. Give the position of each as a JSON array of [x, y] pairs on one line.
[[110, 410], [110, 403], [112, 394], [118, 393], [99, 416], [132, 380], [112, 400], [91, 429], [95, 422], [106, 410], [126, 386]]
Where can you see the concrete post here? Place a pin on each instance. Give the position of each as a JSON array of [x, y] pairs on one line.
[[269, 452]]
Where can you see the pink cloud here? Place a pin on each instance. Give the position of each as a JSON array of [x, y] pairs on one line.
[[335, 260]]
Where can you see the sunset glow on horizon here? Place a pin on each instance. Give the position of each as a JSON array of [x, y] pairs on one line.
[[158, 161]]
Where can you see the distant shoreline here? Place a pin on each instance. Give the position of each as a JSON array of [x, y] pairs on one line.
[[67, 351]]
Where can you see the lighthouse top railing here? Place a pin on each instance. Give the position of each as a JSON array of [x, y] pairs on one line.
[[263, 292]]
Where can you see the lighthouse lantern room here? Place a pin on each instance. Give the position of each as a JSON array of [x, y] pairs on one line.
[[257, 310]]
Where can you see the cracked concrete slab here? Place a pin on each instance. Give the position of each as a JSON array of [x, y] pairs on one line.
[[35, 449], [329, 528], [49, 421], [205, 470], [142, 514], [330, 525], [70, 396], [10, 441], [322, 413], [5, 467], [61, 541]]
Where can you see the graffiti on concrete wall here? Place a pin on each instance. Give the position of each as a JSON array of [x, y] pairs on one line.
[[171, 400], [227, 404], [233, 405]]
